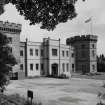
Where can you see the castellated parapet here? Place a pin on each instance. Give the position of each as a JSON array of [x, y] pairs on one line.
[[81, 38], [10, 27]]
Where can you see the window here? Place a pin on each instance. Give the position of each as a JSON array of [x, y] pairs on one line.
[[67, 66], [82, 46], [63, 53], [36, 52], [21, 66], [42, 52], [67, 53], [72, 65], [72, 55], [31, 52], [41, 66], [10, 49], [54, 52], [93, 46], [63, 67], [21, 53], [93, 53], [37, 66], [31, 66], [10, 39], [93, 67]]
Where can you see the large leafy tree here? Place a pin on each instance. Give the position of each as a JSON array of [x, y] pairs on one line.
[[7, 60], [47, 13]]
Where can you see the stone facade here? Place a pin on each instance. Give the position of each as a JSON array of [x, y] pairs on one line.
[[56, 57], [47, 58], [85, 49], [50, 57]]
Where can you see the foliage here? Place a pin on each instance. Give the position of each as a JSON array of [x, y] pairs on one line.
[[29, 103], [101, 63], [16, 99], [101, 97], [47, 13], [63, 76], [7, 60]]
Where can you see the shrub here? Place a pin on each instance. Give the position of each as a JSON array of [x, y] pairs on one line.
[[29, 103], [101, 97], [63, 76], [15, 99]]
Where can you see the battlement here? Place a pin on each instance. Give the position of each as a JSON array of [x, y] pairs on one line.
[[81, 38], [11, 27]]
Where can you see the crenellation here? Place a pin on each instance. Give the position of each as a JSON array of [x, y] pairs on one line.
[[81, 38], [11, 27]]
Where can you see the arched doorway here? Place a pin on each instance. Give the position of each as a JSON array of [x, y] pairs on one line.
[[55, 70]]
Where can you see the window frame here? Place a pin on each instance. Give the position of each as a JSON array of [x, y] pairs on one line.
[[31, 66], [37, 66], [21, 53], [21, 67], [31, 52], [54, 52]]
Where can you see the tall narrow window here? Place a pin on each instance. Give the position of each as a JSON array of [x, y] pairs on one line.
[[36, 52], [93, 67], [93, 53], [67, 66], [67, 53], [93, 46], [73, 67], [42, 67], [21, 52], [31, 67], [37, 66], [10, 49], [72, 55], [63, 67], [63, 53], [42, 52], [31, 52], [21, 66]]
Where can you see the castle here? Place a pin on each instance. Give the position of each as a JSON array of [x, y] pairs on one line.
[[50, 57]]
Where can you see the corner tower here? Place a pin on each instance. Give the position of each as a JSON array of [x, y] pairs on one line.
[[12, 31], [85, 50]]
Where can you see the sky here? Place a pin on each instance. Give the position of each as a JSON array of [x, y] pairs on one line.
[[77, 26]]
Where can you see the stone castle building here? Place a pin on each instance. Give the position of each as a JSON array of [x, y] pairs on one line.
[[12, 31], [85, 51], [50, 57]]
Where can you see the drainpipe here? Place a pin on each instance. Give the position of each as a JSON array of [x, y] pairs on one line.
[[59, 57], [26, 58]]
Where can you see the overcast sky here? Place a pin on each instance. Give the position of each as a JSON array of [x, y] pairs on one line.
[[85, 10]]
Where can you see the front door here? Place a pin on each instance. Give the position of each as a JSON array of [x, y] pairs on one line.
[[55, 70]]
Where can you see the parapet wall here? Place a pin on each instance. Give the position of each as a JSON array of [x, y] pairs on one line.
[[81, 38], [11, 27]]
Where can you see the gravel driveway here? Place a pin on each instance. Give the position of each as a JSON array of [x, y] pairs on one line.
[[52, 91]]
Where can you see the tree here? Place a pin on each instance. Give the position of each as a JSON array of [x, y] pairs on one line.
[[7, 60], [47, 13], [101, 63]]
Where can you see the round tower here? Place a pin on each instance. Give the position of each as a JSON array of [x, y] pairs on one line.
[[85, 50]]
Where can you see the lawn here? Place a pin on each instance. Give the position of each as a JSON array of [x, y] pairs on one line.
[[50, 91]]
